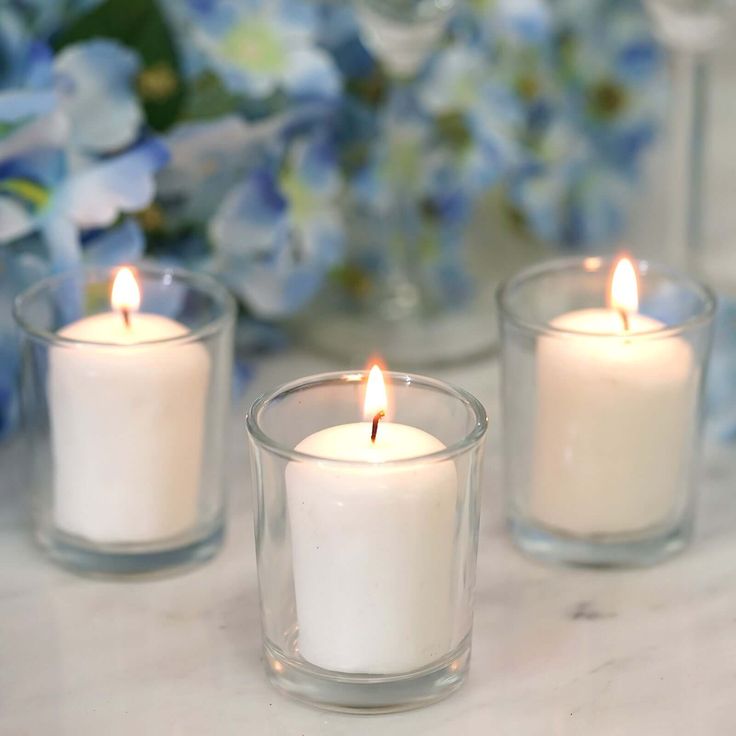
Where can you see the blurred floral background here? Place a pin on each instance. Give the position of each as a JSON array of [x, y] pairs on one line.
[[237, 136]]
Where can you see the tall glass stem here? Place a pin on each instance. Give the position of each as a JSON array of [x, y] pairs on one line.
[[402, 297], [685, 196]]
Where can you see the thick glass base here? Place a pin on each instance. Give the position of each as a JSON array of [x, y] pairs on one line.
[[448, 338], [604, 551], [367, 694], [115, 561], [398, 320]]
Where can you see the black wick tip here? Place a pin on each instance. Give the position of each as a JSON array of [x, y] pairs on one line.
[[381, 414], [624, 318], [126, 316]]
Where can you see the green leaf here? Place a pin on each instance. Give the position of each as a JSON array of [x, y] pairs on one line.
[[607, 99], [140, 25], [453, 130], [352, 279], [208, 99]]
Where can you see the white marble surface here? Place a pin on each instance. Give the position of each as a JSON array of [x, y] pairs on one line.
[[556, 651]]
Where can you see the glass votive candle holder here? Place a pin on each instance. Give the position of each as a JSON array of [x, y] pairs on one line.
[[125, 407], [366, 550], [602, 408]]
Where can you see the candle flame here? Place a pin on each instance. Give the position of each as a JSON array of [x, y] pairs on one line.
[[126, 296], [624, 293], [375, 394]]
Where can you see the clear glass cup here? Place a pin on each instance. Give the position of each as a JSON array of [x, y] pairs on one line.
[[366, 566], [602, 431], [127, 440]]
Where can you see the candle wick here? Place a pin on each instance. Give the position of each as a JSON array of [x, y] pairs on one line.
[[126, 317], [374, 431], [624, 318]]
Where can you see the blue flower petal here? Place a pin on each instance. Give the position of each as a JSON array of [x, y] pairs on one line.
[[93, 71], [124, 243], [203, 169], [25, 59], [526, 21], [21, 105], [323, 240], [274, 253], [295, 16], [274, 289], [65, 250], [97, 195], [311, 73], [316, 164], [15, 221], [248, 216]]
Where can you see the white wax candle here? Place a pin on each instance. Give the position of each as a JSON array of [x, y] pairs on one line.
[[127, 424], [372, 550], [614, 424]]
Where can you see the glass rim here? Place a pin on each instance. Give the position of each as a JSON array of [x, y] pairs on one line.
[[466, 443], [200, 281], [595, 264]]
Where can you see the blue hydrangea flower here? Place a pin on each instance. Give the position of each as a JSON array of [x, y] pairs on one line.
[[617, 88], [449, 280], [25, 59], [460, 91], [338, 32], [278, 232], [523, 21], [207, 159], [394, 169], [39, 192], [555, 101], [414, 194], [26, 181], [51, 176], [26, 73], [572, 201], [70, 88], [406, 173], [259, 47], [336, 24], [87, 73], [590, 109]]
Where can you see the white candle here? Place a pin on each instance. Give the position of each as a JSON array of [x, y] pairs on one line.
[[372, 549], [127, 426], [615, 420]]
